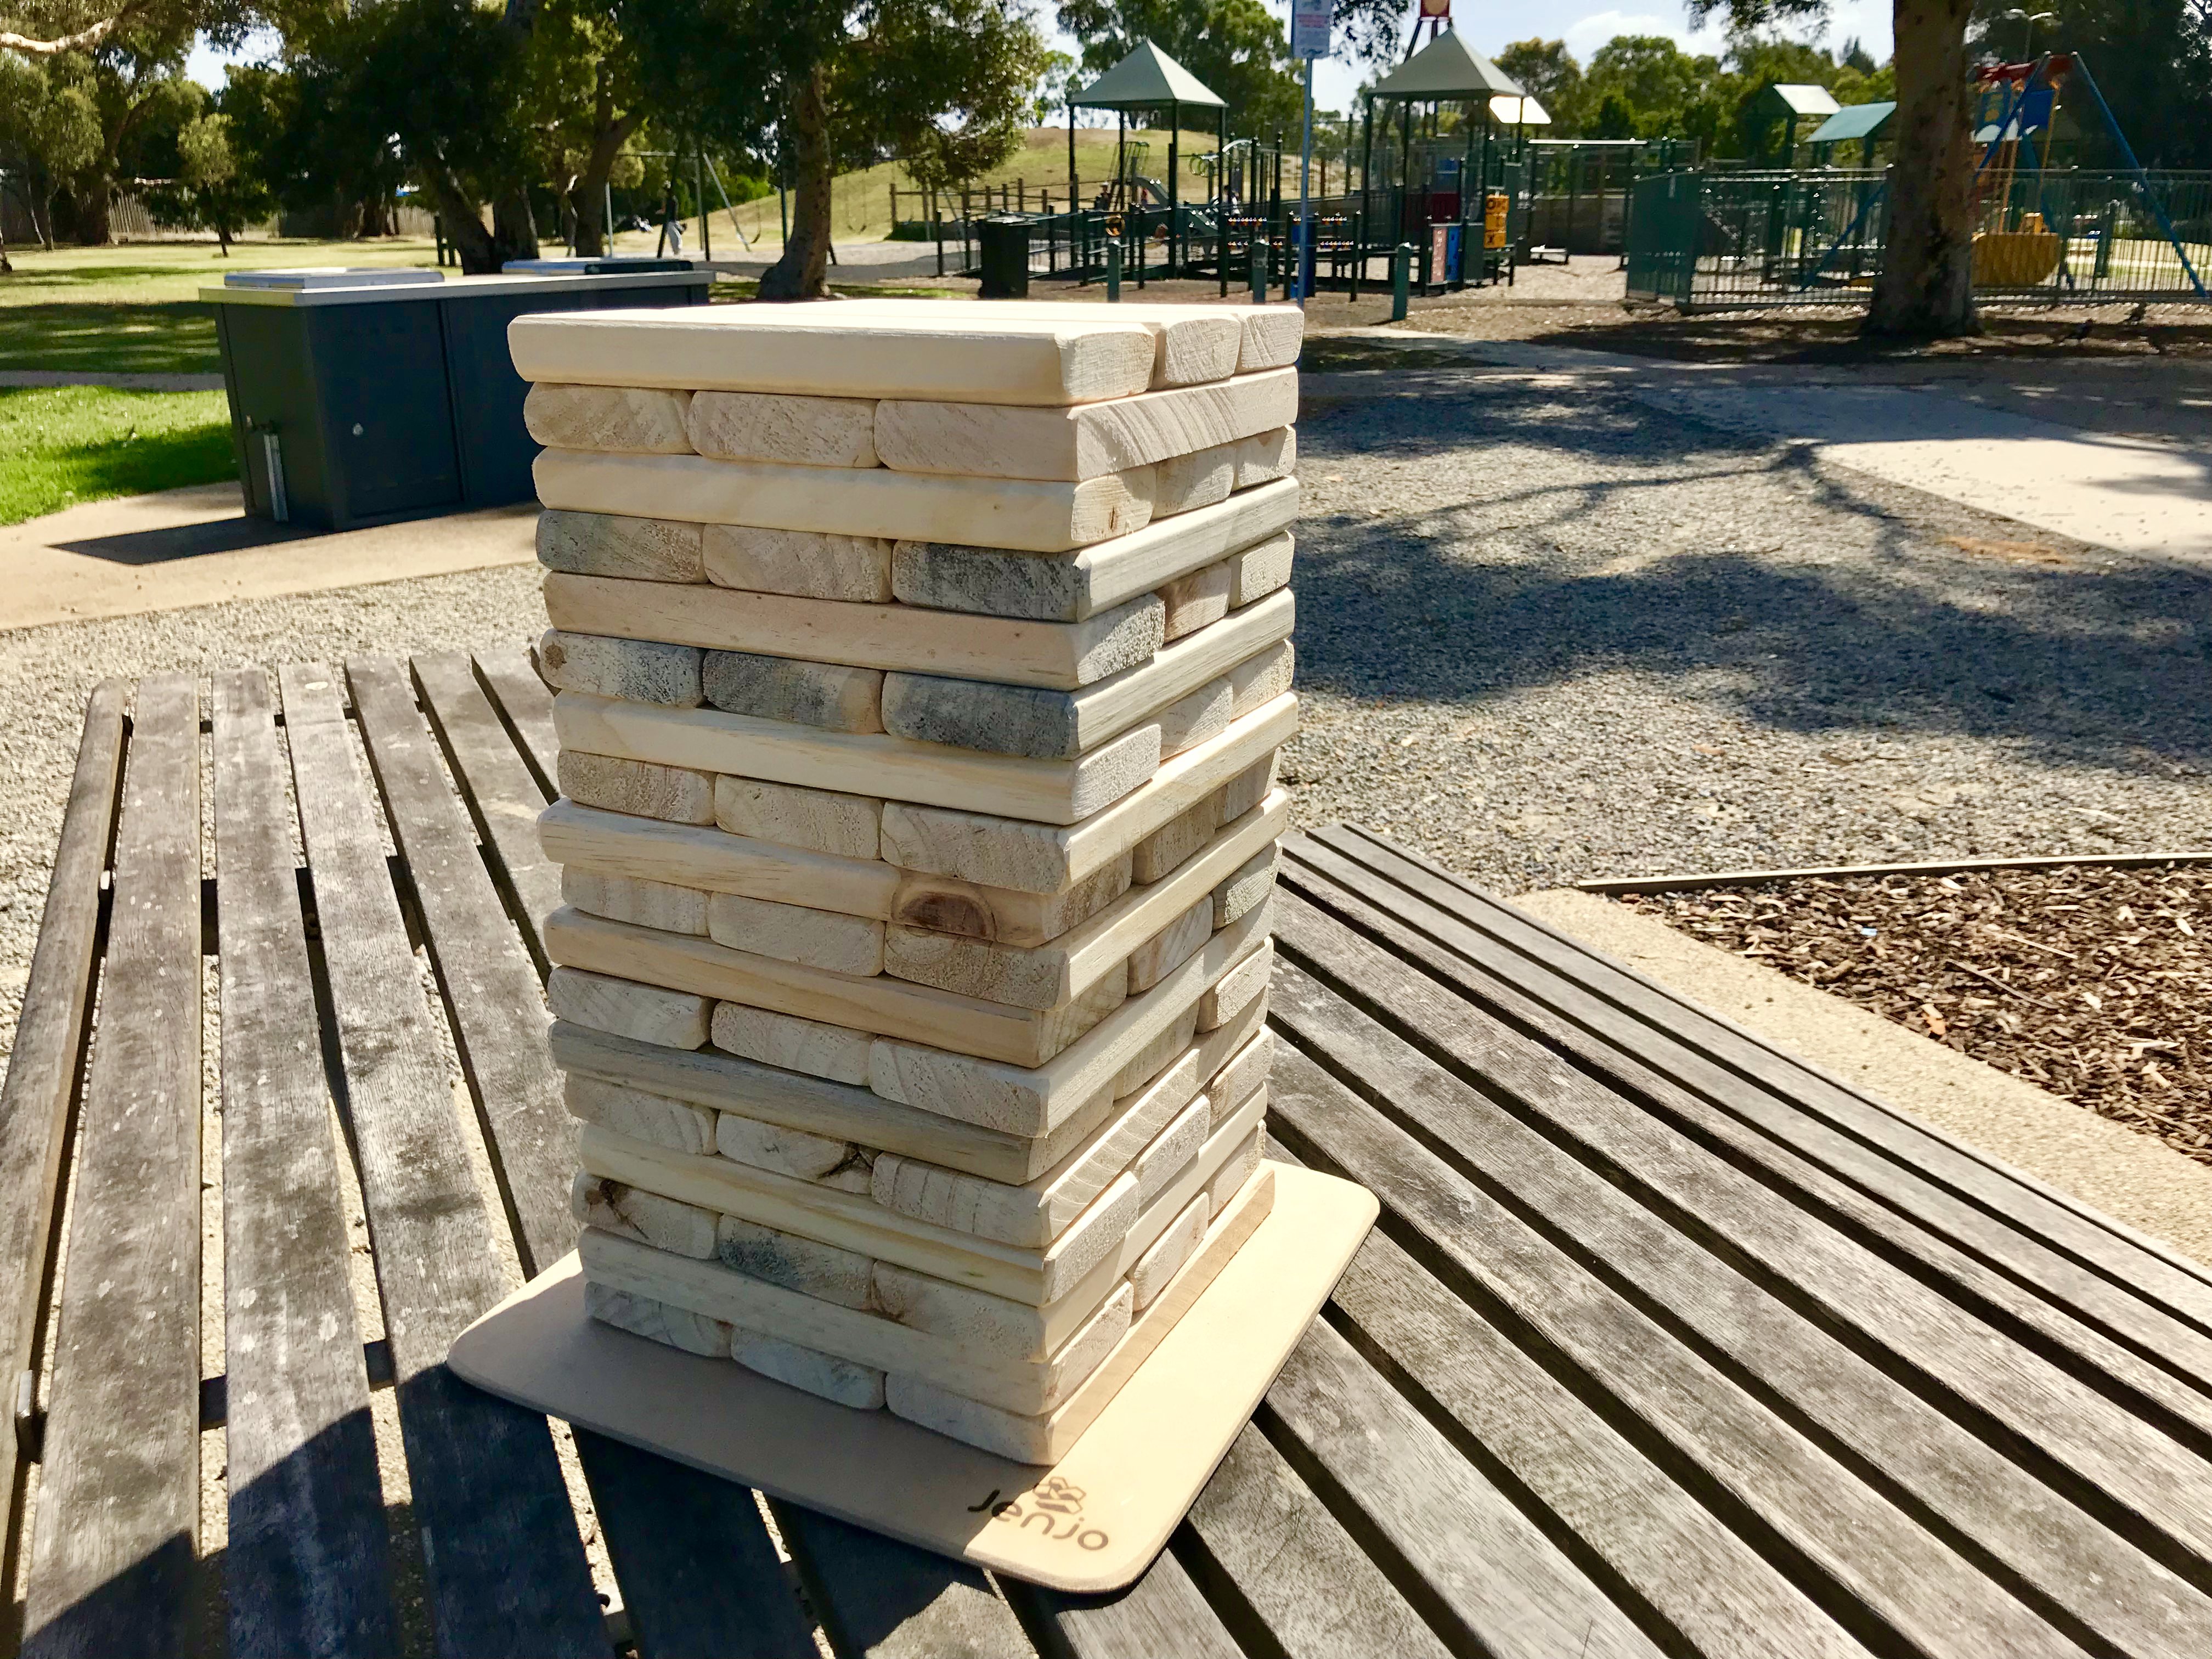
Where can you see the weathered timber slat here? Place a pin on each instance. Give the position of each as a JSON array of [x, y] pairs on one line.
[[1259, 1541], [880, 1599], [1737, 1308], [113, 1568], [503, 795], [1704, 1581], [506, 1569], [1836, 1538], [2142, 1484], [304, 1568], [1577, 1019], [668, 1539], [1163, 1613], [526, 705], [2060, 1223], [1769, 1148], [48, 1057], [1492, 1579]]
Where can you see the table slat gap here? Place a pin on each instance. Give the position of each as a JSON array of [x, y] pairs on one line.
[[114, 1568], [1161, 1614], [39, 1104], [525, 705], [881, 1599], [505, 1565], [305, 1567]]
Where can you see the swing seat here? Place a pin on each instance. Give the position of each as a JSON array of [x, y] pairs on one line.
[[2015, 259]]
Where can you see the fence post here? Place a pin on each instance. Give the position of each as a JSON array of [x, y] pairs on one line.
[[1113, 269], [1401, 273], [1259, 269]]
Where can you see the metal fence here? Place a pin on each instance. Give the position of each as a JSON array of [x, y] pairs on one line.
[[1713, 241]]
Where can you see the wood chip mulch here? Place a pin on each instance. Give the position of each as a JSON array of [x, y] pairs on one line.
[[2092, 982]]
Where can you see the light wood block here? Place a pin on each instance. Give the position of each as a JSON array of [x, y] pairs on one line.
[[825, 351], [791, 1043], [708, 739], [1250, 787], [1062, 656], [792, 932], [1169, 1252], [1245, 1072], [1034, 1213], [1188, 482], [1088, 441], [672, 792], [1259, 571], [803, 562], [666, 1224], [1260, 679], [1248, 886], [695, 856], [848, 826], [647, 903], [637, 671], [825, 1271], [1002, 851], [1047, 975], [1045, 725], [815, 1105], [798, 431], [840, 1381], [1070, 586], [758, 1305], [941, 905], [638, 1113], [677, 1327], [1049, 1437], [1248, 978], [1153, 859], [610, 544], [1214, 1049], [1198, 600], [1169, 948], [1175, 1148], [826, 694], [1158, 1056], [627, 420], [1028, 515], [854, 1222], [1193, 344], [882, 1005], [1267, 456], [1242, 1165], [774, 1146], [644, 1011], [1198, 718], [1031, 1100], [1268, 335]]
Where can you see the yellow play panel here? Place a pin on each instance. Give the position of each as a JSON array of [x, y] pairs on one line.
[[1092, 1522]]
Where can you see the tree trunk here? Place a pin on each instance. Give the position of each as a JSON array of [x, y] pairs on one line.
[[1926, 288], [92, 220], [802, 272], [481, 252], [589, 191], [515, 225]]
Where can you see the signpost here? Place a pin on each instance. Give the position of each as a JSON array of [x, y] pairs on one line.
[[1309, 21]]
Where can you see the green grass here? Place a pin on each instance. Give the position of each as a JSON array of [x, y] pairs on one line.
[[152, 273], [138, 339], [63, 445]]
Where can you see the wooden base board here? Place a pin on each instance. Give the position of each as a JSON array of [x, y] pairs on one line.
[[1092, 1522]]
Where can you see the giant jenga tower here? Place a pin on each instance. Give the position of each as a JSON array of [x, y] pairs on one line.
[[921, 672]]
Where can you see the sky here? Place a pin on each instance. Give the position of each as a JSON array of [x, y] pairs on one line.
[[1487, 28]]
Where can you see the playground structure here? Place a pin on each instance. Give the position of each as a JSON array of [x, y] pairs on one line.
[[2055, 233]]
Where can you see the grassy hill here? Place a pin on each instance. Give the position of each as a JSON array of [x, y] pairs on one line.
[[861, 203]]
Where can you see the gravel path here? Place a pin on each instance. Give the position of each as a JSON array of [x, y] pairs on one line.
[[45, 674], [1545, 635]]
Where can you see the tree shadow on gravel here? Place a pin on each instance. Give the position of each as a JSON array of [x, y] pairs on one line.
[[1869, 621]]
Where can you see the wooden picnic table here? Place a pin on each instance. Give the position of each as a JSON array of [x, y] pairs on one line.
[[1666, 1344]]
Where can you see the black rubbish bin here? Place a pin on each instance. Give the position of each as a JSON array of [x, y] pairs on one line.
[[1005, 246], [360, 398]]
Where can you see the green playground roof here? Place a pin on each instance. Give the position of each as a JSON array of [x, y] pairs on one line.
[[1446, 68], [1853, 121], [1146, 77]]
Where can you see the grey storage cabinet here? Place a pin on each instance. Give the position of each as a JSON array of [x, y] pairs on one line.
[[360, 404]]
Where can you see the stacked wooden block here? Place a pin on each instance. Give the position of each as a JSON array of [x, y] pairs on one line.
[[921, 672]]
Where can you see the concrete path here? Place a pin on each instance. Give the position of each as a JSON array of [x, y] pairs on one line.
[[33, 378], [2133, 1178], [189, 547], [2136, 495]]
